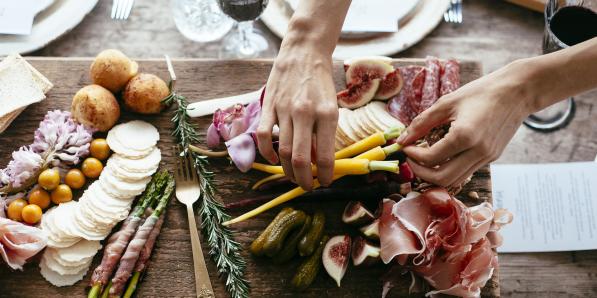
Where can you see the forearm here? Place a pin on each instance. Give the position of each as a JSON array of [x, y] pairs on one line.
[[558, 75], [316, 25]]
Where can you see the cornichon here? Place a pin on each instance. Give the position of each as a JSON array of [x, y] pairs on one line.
[[257, 246], [309, 242], [281, 229], [289, 249], [310, 267]]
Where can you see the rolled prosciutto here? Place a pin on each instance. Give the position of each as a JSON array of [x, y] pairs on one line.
[[445, 242]]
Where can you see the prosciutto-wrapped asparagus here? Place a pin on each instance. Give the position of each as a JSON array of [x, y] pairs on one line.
[[144, 258], [118, 242], [134, 249]]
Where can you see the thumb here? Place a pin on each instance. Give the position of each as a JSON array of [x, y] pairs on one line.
[[436, 115]]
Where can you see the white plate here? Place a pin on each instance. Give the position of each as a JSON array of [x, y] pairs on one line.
[[400, 8], [423, 20], [53, 22]]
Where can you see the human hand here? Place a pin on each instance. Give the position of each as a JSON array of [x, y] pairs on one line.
[[300, 97], [484, 115]]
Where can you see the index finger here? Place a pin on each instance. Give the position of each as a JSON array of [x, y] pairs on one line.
[[447, 147]]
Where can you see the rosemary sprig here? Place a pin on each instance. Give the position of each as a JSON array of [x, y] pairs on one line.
[[224, 250]]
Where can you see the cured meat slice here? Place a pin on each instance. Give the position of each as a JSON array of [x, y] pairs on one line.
[[430, 92], [449, 77], [405, 105], [394, 238], [447, 243], [19, 242]]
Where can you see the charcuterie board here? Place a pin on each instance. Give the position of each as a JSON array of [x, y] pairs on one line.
[[170, 272]]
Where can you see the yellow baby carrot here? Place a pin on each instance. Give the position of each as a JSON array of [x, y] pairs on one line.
[[377, 153], [345, 166]]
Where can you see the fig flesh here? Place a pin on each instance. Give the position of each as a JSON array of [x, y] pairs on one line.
[[364, 252], [358, 95], [390, 85], [375, 67], [356, 214], [336, 255], [371, 231]]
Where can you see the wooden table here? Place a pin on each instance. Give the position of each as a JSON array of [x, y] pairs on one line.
[[170, 271], [493, 32]]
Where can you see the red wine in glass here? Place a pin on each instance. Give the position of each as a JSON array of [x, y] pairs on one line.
[[567, 23], [243, 10]]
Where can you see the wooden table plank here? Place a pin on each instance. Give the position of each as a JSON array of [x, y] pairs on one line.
[[170, 271]]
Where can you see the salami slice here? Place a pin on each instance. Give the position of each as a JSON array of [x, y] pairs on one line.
[[399, 107], [430, 92], [449, 77], [405, 105]]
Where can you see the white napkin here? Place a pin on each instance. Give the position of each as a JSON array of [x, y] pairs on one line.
[[371, 15], [16, 16]]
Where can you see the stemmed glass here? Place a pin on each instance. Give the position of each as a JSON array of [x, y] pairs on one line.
[[200, 20], [566, 24], [245, 42]]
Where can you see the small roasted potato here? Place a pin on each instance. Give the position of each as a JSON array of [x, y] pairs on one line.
[[144, 94], [112, 69], [95, 106]]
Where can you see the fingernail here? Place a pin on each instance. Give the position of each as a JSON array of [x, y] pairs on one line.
[[401, 138]]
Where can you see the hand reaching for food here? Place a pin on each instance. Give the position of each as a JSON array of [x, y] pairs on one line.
[[306, 112], [300, 96], [484, 114]]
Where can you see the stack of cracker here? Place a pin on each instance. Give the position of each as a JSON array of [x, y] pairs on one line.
[[20, 86]]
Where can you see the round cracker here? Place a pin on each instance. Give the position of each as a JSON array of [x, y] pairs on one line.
[[137, 135], [370, 115], [61, 269], [381, 113], [60, 280], [141, 165], [121, 189], [52, 253], [125, 175]]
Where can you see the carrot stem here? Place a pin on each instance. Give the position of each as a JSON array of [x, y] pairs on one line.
[[207, 152]]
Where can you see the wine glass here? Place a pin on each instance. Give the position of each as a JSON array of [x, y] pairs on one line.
[[200, 20], [566, 23], [245, 42]]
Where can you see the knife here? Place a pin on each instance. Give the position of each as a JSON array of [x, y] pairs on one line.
[[208, 107]]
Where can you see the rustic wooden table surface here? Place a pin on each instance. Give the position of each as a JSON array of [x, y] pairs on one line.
[[493, 32]]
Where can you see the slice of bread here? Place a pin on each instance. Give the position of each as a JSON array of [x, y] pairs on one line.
[[22, 85]]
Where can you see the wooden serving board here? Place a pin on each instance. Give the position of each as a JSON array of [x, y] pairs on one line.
[[536, 5], [170, 271]]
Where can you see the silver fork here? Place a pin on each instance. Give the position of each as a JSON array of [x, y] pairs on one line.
[[121, 9], [188, 192], [454, 12]]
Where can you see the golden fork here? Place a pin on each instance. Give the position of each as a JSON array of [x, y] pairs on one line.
[[188, 192]]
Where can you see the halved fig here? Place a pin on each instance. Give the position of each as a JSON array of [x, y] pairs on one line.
[[371, 231], [390, 85], [358, 95], [364, 252], [351, 61], [356, 214], [362, 70], [336, 255]]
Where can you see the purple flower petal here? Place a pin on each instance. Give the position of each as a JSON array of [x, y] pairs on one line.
[[241, 150]]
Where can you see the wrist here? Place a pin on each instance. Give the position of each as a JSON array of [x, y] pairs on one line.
[[305, 33], [522, 75]]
